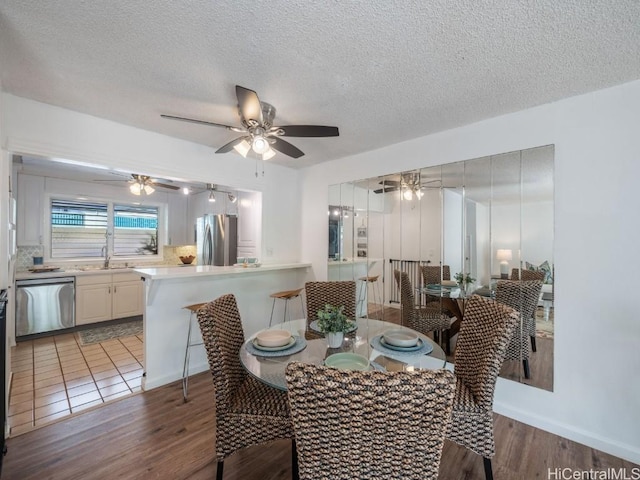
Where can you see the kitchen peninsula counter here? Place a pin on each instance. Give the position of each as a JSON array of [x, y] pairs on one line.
[[169, 289]]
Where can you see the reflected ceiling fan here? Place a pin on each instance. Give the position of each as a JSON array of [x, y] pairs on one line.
[[409, 184], [143, 184], [260, 137]]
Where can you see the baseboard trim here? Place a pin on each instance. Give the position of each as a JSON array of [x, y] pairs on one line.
[[151, 383], [607, 445]]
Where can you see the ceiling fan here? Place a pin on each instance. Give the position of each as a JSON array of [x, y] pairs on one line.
[[260, 137], [145, 185], [409, 184], [142, 184]]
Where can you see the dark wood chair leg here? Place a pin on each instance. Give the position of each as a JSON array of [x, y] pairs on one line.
[[447, 342], [533, 344], [295, 475], [488, 471], [525, 364], [219, 472]]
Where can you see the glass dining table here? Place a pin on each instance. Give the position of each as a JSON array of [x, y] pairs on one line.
[[270, 368]]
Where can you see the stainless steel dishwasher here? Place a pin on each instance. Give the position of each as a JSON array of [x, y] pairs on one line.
[[44, 305]]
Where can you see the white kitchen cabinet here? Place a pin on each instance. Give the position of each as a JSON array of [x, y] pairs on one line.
[[249, 224], [30, 208], [177, 219], [103, 297], [127, 299]]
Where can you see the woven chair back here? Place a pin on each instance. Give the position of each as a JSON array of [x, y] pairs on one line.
[[526, 275], [341, 293], [482, 343], [350, 425], [522, 296], [223, 336], [434, 274], [407, 299]]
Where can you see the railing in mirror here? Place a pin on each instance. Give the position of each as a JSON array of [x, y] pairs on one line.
[[482, 218]]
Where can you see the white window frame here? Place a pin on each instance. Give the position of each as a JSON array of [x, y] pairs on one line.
[[162, 229]]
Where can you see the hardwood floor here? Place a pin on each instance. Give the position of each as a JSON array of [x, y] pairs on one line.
[[155, 435]]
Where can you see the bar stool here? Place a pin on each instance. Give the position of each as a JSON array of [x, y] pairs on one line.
[[285, 295], [364, 289], [185, 369]]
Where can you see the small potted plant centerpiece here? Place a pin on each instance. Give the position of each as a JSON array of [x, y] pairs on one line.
[[333, 323], [464, 281]]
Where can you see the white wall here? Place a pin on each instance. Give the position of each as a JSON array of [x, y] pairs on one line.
[[38, 129], [596, 395]]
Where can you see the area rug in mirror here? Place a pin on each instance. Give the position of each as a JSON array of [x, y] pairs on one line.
[[101, 334]]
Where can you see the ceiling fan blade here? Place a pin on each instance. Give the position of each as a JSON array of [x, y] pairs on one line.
[[249, 105], [307, 131], [386, 189], [394, 183], [285, 147], [229, 146], [201, 122], [164, 185]]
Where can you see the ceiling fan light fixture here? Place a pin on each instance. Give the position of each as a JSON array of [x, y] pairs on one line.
[[260, 145], [148, 189], [242, 148], [270, 153], [212, 196], [407, 194], [135, 188], [185, 190], [232, 198], [419, 194]]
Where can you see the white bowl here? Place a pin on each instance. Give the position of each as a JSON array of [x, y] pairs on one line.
[[273, 338], [401, 338], [347, 361]]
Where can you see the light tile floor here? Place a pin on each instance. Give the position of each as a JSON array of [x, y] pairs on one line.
[[56, 376]]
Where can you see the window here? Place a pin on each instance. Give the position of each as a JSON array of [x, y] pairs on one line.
[[81, 229]]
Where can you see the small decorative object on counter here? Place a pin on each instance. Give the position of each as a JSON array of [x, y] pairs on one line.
[[333, 323], [187, 259]]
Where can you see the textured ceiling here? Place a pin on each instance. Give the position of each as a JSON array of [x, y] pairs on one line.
[[381, 71]]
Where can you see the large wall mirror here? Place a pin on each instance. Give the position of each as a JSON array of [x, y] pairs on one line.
[[490, 218]]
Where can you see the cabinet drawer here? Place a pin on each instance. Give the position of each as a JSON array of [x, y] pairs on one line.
[[126, 277], [93, 279]]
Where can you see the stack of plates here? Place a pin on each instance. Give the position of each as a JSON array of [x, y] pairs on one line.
[[401, 340], [273, 340]]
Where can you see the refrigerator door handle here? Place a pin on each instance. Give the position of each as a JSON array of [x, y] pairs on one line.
[[208, 247]]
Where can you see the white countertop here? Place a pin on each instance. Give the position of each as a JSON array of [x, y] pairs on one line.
[[70, 272], [187, 271]]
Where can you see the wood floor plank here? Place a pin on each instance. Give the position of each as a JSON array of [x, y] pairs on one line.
[[155, 435]]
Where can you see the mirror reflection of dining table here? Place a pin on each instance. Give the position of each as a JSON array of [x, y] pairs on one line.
[[269, 366]]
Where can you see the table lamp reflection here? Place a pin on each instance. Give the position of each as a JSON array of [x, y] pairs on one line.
[[504, 256]]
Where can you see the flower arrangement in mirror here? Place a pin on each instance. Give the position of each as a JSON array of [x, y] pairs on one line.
[[464, 281]]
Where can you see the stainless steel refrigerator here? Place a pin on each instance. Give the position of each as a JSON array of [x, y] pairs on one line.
[[217, 239]]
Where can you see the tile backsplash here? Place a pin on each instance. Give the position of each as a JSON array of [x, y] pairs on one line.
[[171, 256], [24, 256]]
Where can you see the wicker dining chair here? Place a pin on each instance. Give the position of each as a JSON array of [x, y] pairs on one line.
[[482, 343], [522, 296], [529, 275], [248, 412], [369, 425], [336, 293], [432, 274], [424, 320]]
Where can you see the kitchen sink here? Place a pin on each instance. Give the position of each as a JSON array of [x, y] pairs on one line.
[[96, 268]]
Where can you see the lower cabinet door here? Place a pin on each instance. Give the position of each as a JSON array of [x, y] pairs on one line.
[[127, 299], [93, 303]]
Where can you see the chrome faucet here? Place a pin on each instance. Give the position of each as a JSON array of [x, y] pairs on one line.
[[107, 257]]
